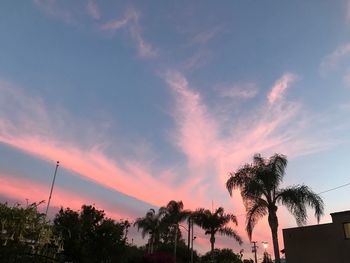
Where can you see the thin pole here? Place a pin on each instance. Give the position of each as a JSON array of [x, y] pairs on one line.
[[192, 242], [53, 183], [189, 239], [255, 250]]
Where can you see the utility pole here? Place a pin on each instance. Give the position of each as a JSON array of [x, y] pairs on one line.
[[189, 240], [192, 238], [254, 250], [53, 183]]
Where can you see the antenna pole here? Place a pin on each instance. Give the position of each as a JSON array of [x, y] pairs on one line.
[[52, 185]]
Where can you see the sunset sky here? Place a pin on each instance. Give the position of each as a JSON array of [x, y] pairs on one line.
[[143, 102]]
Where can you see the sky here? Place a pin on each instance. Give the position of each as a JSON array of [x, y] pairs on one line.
[[144, 102]]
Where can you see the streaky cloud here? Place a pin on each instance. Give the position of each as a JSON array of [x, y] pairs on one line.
[[93, 10], [280, 87], [332, 61], [22, 189], [130, 21]]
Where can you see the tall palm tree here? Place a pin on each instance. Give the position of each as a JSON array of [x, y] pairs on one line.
[[174, 214], [216, 222], [150, 224], [259, 183]]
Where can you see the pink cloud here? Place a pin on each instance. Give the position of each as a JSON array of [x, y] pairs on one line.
[[23, 189], [93, 10], [280, 87]]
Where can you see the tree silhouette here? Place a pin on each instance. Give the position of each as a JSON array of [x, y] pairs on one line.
[[216, 222], [153, 225], [259, 183], [173, 214]]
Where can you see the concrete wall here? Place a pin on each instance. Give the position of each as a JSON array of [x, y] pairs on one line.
[[324, 243]]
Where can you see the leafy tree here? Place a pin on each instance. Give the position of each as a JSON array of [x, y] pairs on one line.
[[89, 236], [259, 183], [216, 222], [181, 251], [24, 232], [67, 225], [221, 256]]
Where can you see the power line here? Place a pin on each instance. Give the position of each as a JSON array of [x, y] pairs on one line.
[[335, 188]]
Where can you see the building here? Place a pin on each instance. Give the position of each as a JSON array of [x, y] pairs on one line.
[[325, 243]]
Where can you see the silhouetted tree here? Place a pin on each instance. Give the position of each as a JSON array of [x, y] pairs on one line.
[[152, 225], [267, 258], [173, 214], [224, 255], [89, 236], [259, 183], [216, 222]]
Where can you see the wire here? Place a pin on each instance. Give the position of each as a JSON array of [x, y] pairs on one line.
[[335, 188]]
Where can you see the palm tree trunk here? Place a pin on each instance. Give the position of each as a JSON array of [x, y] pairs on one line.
[[273, 222], [212, 242]]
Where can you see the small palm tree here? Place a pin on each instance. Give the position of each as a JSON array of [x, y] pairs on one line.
[[259, 183], [216, 222], [150, 224]]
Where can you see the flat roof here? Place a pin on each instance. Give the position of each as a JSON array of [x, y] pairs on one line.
[[309, 226], [341, 212]]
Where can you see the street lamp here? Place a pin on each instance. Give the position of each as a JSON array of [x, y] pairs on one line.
[[175, 243], [265, 244]]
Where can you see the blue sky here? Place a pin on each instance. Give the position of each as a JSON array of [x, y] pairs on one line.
[[144, 102]]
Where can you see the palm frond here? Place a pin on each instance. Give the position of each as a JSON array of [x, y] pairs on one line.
[[239, 178], [255, 211], [296, 198], [228, 231], [277, 164]]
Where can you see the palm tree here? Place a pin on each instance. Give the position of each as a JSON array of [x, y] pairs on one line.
[[259, 183], [174, 214], [216, 222], [150, 224]]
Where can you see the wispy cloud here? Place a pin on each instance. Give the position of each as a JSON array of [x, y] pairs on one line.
[[54, 9], [210, 142], [130, 21], [93, 10], [241, 91], [280, 87], [72, 14], [331, 61], [204, 37]]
